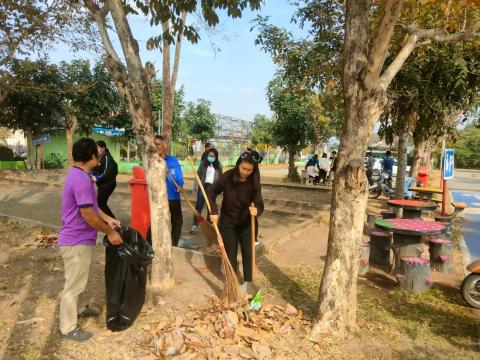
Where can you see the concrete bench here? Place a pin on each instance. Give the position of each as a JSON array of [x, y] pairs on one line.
[[459, 208]]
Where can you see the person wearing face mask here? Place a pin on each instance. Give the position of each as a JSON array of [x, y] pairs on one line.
[[105, 175], [208, 172], [240, 187]]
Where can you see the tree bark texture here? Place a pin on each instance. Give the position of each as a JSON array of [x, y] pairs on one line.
[[364, 101], [169, 78], [40, 156], [132, 83], [402, 164], [30, 149], [292, 175], [418, 157], [69, 132]]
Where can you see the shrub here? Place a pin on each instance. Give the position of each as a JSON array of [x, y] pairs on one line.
[[54, 161], [6, 154]]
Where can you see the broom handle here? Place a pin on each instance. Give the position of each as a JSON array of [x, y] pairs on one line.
[[200, 185], [181, 192], [219, 236], [252, 220]]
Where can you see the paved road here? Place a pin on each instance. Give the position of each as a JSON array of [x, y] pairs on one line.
[[465, 180], [471, 225]]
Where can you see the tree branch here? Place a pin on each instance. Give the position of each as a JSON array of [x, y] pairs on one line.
[[426, 36], [100, 14], [378, 53], [127, 41], [398, 62], [166, 54], [178, 48]]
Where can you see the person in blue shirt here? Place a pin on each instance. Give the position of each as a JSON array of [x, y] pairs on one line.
[[387, 166], [173, 166]]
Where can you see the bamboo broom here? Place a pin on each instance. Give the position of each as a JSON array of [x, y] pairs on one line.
[[231, 291], [207, 229]]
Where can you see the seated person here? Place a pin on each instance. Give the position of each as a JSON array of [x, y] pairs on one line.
[[313, 173], [324, 165]]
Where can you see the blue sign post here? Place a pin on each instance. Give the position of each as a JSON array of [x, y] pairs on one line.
[[448, 172], [449, 164]]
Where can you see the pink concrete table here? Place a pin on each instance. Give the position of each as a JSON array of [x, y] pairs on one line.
[[407, 235], [412, 209]]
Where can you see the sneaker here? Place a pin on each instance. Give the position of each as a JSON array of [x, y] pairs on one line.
[[194, 229], [78, 334], [89, 312]]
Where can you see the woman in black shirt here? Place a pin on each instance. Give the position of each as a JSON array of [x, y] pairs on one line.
[[240, 187], [105, 175]]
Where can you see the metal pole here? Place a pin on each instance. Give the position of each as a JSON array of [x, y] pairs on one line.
[[442, 162], [444, 195]]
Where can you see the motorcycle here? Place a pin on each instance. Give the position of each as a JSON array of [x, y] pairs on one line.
[[382, 186], [471, 285]]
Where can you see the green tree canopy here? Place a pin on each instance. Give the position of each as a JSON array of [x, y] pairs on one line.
[[467, 148], [294, 121], [262, 130], [37, 104], [200, 121]]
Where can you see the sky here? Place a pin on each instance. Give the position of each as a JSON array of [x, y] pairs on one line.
[[233, 79]]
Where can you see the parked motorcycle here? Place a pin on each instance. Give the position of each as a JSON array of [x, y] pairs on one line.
[[471, 285], [382, 186]]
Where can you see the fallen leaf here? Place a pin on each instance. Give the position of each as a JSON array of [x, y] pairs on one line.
[[264, 351], [290, 310]]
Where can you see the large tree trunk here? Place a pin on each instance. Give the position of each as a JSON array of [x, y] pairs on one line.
[[402, 164], [69, 132], [418, 157], [364, 100], [169, 81], [30, 149], [40, 157], [132, 82], [292, 175]]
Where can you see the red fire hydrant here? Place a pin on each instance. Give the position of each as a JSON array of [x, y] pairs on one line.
[[140, 207]]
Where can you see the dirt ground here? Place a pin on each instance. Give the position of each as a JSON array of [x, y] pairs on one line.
[[391, 324]]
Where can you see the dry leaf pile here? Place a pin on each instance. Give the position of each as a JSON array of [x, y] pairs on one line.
[[224, 333], [45, 239]]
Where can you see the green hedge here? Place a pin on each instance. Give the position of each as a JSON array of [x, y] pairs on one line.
[[12, 165]]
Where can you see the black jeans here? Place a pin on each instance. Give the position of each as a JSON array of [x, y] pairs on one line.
[[322, 176], [232, 235], [103, 194], [201, 203], [176, 218]]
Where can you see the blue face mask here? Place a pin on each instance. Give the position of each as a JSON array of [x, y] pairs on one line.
[[211, 159]]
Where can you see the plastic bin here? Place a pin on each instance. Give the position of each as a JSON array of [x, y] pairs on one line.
[[140, 206], [423, 175]]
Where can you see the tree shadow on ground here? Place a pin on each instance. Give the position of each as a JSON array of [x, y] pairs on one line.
[[290, 290], [433, 310]]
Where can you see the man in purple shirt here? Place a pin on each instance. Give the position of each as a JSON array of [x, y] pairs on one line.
[[81, 218]]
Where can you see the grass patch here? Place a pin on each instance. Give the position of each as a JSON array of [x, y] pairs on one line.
[[436, 324]]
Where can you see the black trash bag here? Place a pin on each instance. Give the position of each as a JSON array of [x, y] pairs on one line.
[[126, 278]]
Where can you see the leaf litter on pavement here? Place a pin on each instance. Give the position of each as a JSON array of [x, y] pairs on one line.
[[219, 332]]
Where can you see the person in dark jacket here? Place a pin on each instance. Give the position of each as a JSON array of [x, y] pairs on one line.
[[240, 187], [208, 171], [105, 175], [208, 146]]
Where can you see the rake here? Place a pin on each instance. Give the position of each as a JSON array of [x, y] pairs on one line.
[[231, 291]]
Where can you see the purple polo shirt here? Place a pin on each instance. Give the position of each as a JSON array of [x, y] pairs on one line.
[[78, 192]]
